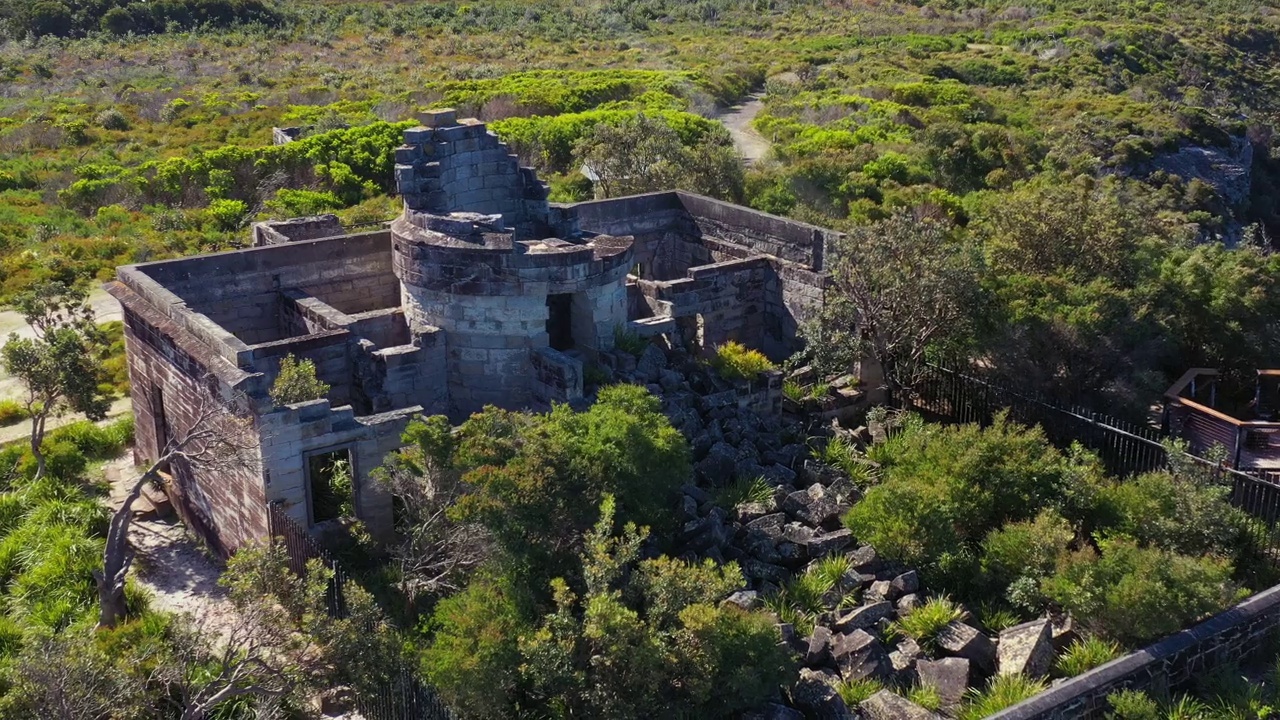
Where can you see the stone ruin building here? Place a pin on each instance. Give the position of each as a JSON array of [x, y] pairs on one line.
[[480, 293]]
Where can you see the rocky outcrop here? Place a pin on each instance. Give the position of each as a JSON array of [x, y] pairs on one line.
[[885, 705], [1026, 649]]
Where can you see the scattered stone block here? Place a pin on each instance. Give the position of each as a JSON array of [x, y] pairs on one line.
[[948, 676], [819, 650], [859, 655], [1026, 649], [886, 705], [864, 617], [960, 640]]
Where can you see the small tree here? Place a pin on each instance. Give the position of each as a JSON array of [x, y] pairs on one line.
[[214, 439], [297, 382], [901, 286], [644, 154], [59, 366]]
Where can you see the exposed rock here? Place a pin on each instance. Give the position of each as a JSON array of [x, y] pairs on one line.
[[699, 495], [859, 655], [961, 640], [910, 602], [864, 617], [774, 711], [745, 599], [765, 571], [819, 650], [815, 694], [791, 640], [797, 533], [948, 676], [1026, 649], [811, 506], [829, 542], [746, 512], [865, 559], [651, 363], [718, 465], [778, 475], [770, 524], [1064, 632], [886, 705], [688, 508], [879, 590], [791, 554], [906, 583]]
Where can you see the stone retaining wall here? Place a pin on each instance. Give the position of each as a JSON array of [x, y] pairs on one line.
[[1234, 635]]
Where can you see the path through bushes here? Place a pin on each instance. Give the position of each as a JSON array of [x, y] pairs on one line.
[[171, 565]]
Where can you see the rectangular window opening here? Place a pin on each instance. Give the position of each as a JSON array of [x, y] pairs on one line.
[[332, 485], [560, 321]]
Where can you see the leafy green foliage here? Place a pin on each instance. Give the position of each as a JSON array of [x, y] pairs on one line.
[[735, 361], [1133, 593], [944, 489], [297, 382], [853, 692], [743, 490], [1133, 705], [535, 480], [643, 637]]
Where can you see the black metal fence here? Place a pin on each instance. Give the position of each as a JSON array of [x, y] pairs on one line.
[[403, 697], [1126, 449]]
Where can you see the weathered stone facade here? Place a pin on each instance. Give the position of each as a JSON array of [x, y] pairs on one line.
[[481, 293]]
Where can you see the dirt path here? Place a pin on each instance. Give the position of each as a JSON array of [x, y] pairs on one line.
[[20, 430], [737, 119], [180, 576]]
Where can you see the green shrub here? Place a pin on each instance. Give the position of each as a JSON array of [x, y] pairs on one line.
[[926, 696], [111, 119], [227, 215], [1003, 691], [925, 622], [1024, 549], [1189, 515], [12, 412], [1132, 594], [62, 458], [734, 361], [943, 489], [1133, 705], [1086, 654], [841, 453], [297, 382], [794, 391], [96, 442]]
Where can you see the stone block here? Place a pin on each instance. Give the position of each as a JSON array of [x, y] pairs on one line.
[[1026, 649]]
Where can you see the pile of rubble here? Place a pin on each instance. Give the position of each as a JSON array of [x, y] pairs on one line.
[[779, 538]]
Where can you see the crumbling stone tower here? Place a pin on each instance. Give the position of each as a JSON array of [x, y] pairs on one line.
[[482, 257]]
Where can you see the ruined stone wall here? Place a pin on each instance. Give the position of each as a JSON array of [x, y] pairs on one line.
[[278, 232], [677, 231], [240, 291], [330, 352], [732, 300], [293, 434], [557, 378], [172, 382], [449, 165], [1236, 635]]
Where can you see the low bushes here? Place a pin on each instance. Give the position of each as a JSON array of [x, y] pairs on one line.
[[998, 517]]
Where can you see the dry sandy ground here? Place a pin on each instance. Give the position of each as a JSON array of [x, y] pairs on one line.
[[170, 564]]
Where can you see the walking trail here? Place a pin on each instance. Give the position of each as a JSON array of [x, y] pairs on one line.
[[751, 145], [178, 573]]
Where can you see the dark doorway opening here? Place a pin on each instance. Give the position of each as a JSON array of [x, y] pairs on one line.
[[560, 321], [332, 485]]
